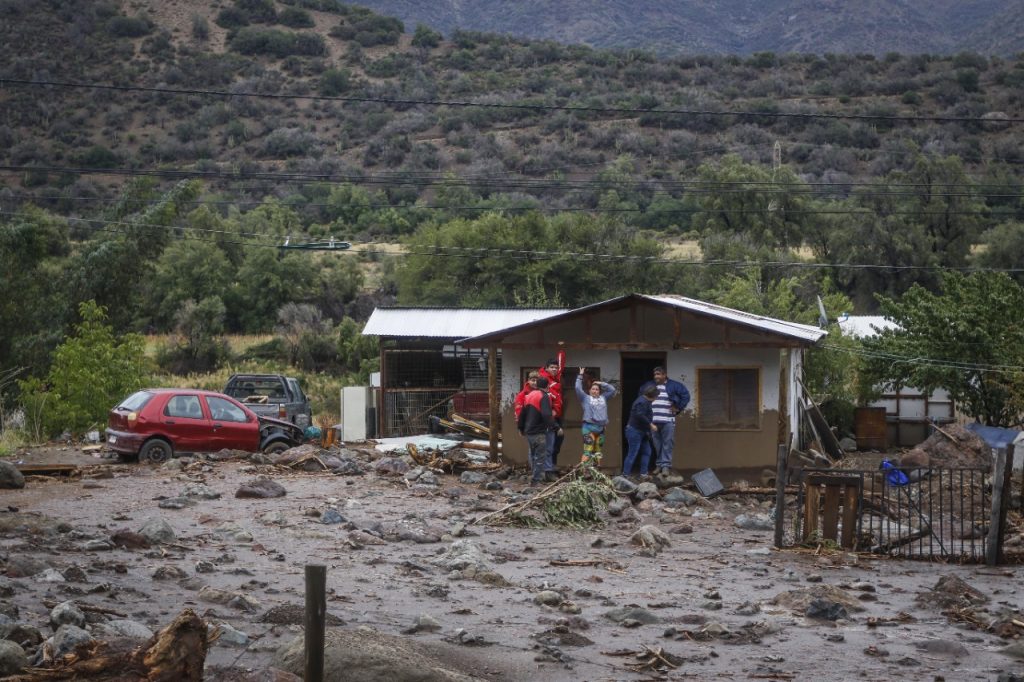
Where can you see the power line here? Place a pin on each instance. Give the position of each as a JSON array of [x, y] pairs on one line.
[[509, 209], [390, 101], [694, 187], [930, 362], [538, 254]]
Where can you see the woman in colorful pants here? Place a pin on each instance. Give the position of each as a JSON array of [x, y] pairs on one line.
[[595, 416]]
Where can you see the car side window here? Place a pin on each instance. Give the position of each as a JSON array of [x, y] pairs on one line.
[[184, 406], [222, 410]]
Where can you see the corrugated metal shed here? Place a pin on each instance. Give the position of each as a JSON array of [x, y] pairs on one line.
[[450, 323], [864, 326]]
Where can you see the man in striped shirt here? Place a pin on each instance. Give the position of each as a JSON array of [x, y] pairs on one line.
[[672, 399]]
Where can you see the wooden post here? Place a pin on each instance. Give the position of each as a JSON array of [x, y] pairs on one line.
[[493, 399], [316, 619], [1000, 501], [780, 495], [812, 492], [851, 500]]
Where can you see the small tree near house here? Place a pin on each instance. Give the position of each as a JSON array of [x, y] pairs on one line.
[[968, 339]]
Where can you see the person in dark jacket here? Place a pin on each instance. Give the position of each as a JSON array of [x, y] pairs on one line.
[[639, 426], [535, 421], [672, 399], [552, 370]]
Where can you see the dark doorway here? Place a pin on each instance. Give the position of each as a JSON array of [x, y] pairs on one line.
[[636, 371]]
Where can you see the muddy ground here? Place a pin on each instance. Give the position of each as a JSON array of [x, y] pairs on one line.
[[710, 594]]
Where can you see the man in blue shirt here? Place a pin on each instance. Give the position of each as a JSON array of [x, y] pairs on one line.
[[672, 399]]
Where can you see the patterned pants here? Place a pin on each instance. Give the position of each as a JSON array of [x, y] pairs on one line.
[[593, 444]]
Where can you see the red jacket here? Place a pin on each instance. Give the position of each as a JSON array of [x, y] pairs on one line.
[[555, 385], [521, 399]]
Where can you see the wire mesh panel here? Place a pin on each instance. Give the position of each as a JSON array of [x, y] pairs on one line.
[[917, 513], [423, 382]]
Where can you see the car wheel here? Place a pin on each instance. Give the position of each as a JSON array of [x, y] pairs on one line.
[[276, 448], [156, 451]]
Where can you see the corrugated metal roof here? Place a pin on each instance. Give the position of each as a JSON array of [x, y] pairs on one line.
[[806, 332], [862, 326], [803, 332], [450, 323]]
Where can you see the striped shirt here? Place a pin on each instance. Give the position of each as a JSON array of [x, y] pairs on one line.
[[663, 410]]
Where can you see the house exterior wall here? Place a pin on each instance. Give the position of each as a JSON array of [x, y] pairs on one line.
[[695, 448]]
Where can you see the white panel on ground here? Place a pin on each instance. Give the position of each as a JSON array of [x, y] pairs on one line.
[[354, 402]]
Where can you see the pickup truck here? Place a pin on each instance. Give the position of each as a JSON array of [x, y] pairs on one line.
[[271, 395]]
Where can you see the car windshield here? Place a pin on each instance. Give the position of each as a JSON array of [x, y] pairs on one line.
[[256, 390], [136, 401]]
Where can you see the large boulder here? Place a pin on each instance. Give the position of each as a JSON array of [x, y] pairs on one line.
[[12, 658], [261, 488], [370, 656], [10, 477], [156, 530]]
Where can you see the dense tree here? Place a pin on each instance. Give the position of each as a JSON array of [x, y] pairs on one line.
[[265, 282], [1002, 247], [967, 338], [188, 270], [488, 260]]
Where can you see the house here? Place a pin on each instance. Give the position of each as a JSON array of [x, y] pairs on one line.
[[909, 411], [742, 370], [424, 372]]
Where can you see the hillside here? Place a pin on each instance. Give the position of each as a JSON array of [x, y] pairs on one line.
[[312, 118], [736, 26]]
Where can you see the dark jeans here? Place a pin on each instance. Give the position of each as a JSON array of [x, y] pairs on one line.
[[554, 446], [538, 455], [638, 443]]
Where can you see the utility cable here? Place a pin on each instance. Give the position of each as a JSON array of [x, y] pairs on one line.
[[406, 102]]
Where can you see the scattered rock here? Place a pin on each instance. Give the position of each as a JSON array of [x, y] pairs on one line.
[[681, 529], [21, 633], [51, 575], [848, 444], [157, 530], [261, 488], [177, 502], [823, 609], [548, 598], [66, 613], [473, 478], [332, 516], [942, 647], [634, 613], [651, 538], [618, 505], [169, 573], [126, 539], [754, 522], [233, 532], [951, 592], [274, 518], [68, 638], [462, 554], [624, 485], [391, 466], [800, 599], [227, 635], [200, 491], [19, 566], [203, 566], [748, 609], [98, 546], [12, 658], [127, 629], [646, 491], [916, 458], [424, 623], [10, 477], [676, 497]]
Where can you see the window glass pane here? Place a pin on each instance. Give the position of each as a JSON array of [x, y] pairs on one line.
[[185, 406], [136, 401], [713, 405], [222, 410], [728, 399], [744, 409]]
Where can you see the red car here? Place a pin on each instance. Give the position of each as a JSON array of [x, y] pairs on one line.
[[155, 423]]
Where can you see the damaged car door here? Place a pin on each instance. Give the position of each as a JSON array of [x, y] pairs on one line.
[[232, 427]]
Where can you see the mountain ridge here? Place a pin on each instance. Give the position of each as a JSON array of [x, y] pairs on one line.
[[735, 26]]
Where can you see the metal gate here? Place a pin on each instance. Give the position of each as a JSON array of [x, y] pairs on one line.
[[922, 513]]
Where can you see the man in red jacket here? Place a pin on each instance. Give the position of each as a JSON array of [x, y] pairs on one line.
[[552, 371], [535, 423]]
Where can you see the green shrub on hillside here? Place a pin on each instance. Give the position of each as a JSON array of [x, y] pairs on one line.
[[275, 43], [295, 18], [369, 29], [130, 27]]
